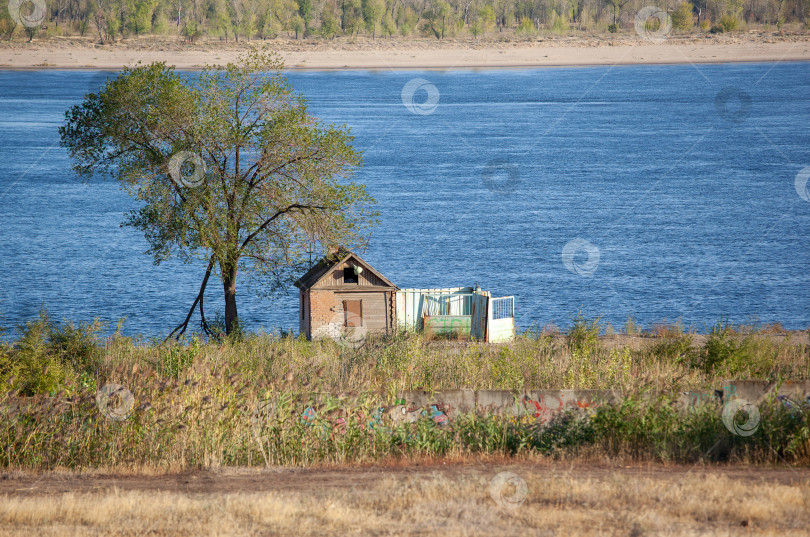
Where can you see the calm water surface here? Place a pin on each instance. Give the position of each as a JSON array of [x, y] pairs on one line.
[[676, 184]]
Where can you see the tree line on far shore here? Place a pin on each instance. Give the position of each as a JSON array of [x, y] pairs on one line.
[[239, 20]]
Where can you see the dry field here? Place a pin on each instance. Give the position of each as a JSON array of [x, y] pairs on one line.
[[190, 459], [449, 499]]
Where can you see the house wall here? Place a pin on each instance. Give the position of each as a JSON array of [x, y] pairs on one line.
[[304, 313], [327, 315]]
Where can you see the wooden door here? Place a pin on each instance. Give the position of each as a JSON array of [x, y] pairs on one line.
[[353, 313]]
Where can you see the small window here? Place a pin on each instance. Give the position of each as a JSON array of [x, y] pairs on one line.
[[349, 275]]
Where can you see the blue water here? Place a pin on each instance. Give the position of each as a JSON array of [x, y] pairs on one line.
[[689, 201]]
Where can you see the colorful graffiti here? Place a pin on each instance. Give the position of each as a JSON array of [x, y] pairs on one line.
[[547, 405]]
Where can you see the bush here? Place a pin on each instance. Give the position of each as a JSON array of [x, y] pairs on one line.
[[682, 16], [191, 32], [30, 367], [45, 355], [178, 359], [583, 336], [566, 431], [730, 352], [526, 27], [77, 346], [613, 28], [729, 23], [657, 430], [676, 348]]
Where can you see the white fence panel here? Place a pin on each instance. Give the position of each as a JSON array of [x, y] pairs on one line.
[[501, 319]]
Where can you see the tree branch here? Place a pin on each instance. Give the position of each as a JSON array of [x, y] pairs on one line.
[[270, 220], [182, 326]]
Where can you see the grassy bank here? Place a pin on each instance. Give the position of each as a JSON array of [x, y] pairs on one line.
[[240, 401]]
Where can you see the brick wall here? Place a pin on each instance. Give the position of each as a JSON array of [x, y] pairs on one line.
[[327, 317], [326, 313]]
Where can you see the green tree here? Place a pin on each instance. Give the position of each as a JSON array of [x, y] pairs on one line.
[[616, 6], [220, 17], [305, 10], [526, 27], [373, 11], [682, 16], [276, 178], [353, 16], [140, 20], [436, 19], [330, 23], [487, 18]]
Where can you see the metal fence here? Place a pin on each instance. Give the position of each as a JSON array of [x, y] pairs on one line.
[[489, 319], [414, 304], [503, 308]]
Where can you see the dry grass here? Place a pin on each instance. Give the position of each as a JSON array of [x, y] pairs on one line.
[[445, 503], [242, 403]]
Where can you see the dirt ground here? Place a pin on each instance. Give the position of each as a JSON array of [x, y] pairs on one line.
[[315, 480]]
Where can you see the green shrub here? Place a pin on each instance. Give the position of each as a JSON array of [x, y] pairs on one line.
[[729, 23], [567, 431], [178, 359], [526, 27], [77, 346], [45, 355], [583, 336], [682, 16], [30, 366], [729, 352], [673, 343]]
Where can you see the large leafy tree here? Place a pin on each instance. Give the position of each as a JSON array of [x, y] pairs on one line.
[[229, 169]]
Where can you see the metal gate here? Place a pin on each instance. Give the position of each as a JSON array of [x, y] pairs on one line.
[[501, 319]]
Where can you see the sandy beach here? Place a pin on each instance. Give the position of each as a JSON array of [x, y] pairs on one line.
[[76, 53]]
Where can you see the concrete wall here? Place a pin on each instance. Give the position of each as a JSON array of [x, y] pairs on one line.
[[544, 404], [537, 404], [540, 405], [753, 391]]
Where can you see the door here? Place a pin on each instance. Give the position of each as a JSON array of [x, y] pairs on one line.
[[353, 313]]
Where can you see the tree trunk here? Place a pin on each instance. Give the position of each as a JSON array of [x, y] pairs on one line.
[[229, 283]]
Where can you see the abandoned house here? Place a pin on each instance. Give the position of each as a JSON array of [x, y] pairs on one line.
[[343, 293]]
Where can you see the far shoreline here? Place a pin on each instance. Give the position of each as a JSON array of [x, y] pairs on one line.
[[69, 54], [432, 68]]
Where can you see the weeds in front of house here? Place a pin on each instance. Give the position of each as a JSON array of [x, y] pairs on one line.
[[274, 399]]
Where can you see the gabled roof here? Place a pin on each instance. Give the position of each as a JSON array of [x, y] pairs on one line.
[[328, 263]]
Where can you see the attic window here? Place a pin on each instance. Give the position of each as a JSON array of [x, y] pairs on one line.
[[350, 274]]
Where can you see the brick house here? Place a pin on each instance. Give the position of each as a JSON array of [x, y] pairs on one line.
[[344, 293]]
